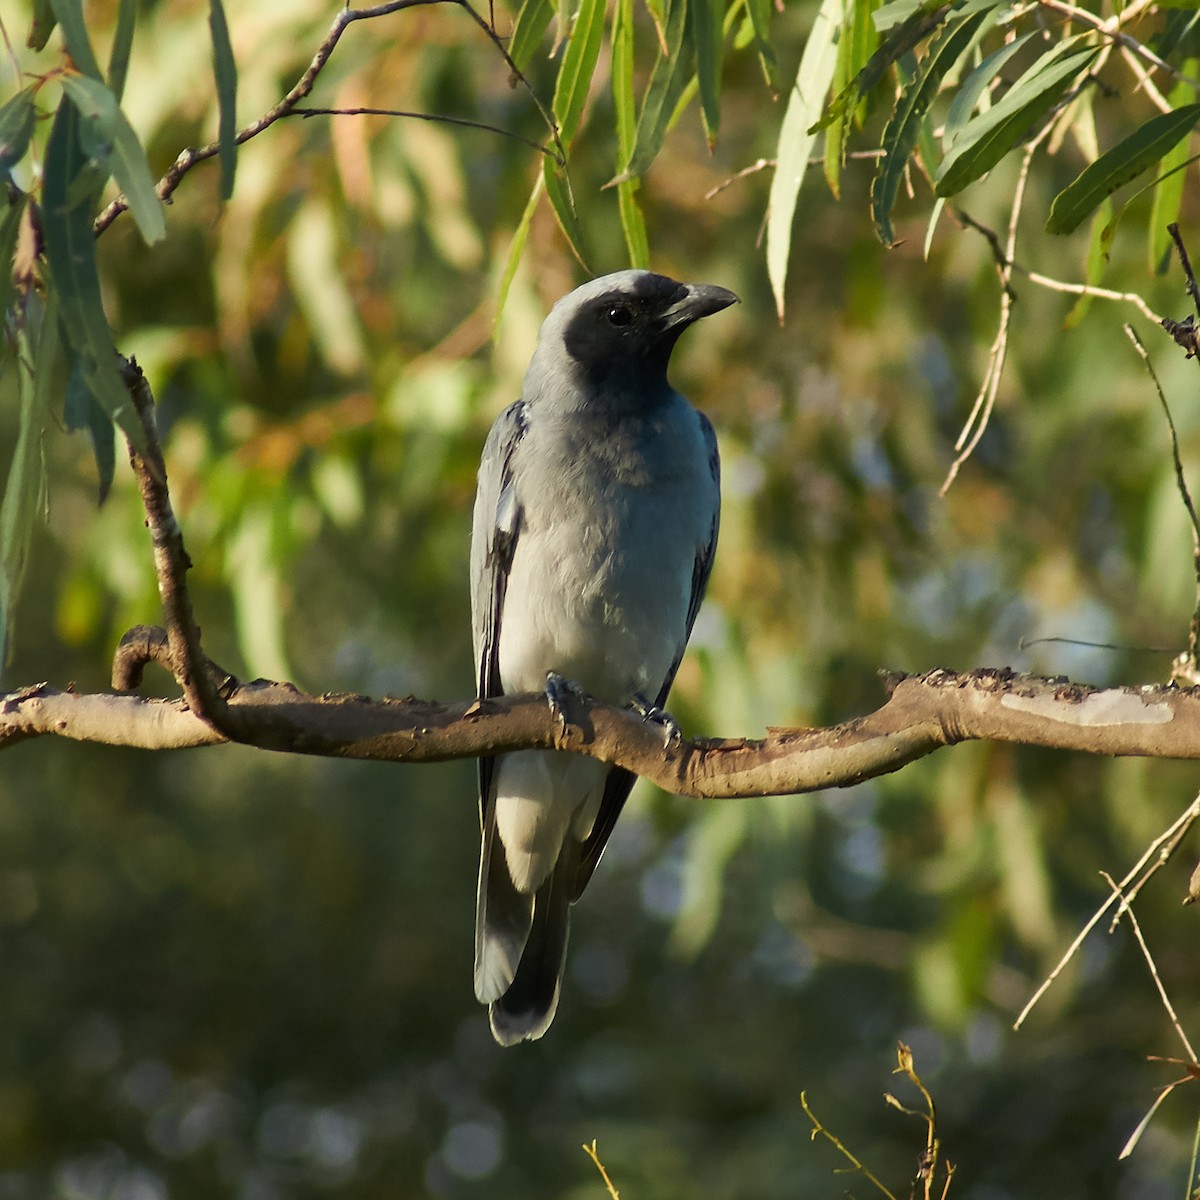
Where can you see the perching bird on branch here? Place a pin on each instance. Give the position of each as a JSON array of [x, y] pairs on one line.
[[595, 525]]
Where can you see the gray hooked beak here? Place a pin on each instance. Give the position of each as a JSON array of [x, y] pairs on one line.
[[698, 300]]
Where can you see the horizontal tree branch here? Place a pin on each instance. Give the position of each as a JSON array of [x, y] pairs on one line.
[[922, 713]]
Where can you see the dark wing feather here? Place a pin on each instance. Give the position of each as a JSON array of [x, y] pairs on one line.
[[620, 782], [495, 529]]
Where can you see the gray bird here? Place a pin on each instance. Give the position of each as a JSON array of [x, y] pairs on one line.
[[595, 524]]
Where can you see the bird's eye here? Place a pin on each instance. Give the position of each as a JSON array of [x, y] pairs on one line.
[[619, 315]]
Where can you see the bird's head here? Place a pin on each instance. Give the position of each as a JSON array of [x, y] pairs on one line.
[[615, 334]]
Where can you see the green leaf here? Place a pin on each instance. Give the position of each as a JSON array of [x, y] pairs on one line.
[[796, 140], [516, 249], [857, 42], [759, 12], [10, 229], [1168, 188], [42, 25], [70, 16], [968, 95], [70, 248], [900, 134], [118, 58], [529, 31], [990, 136], [225, 75], [707, 38], [562, 202], [24, 490], [1117, 166], [107, 136], [17, 119], [1097, 259], [578, 66], [903, 38], [82, 410], [667, 79]]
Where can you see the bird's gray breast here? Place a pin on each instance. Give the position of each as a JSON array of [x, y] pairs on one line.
[[614, 514]]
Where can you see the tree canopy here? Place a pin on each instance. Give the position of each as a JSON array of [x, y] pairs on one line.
[[328, 236]]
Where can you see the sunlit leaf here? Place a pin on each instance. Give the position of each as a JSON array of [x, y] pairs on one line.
[[968, 95], [17, 119], [516, 248], [1168, 190], [558, 189], [796, 139], [1117, 166], [533, 19], [899, 42], [667, 79], [69, 14], [118, 58], [578, 66], [1097, 259], [225, 74], [990, 136], [856, 43], [109, 139], [759, 12], [705, 32], [900, 134], [42, 25], [70, 247]]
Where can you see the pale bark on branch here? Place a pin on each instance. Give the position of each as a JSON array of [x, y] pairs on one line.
[[923, 713]]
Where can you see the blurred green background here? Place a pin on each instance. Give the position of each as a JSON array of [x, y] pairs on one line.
[[234, 974]]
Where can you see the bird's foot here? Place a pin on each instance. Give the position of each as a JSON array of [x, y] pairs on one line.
[[560, 694], [672, 734]]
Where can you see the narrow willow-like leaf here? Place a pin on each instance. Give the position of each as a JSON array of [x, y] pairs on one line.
[[82, 410], [118, 58], [1097, 259], [857, 42], [558, 189], [657, 10], [10, 229], [707, 38], [633, 224], [225, 75], [69, 14], [71, 254], [578, 66], [1117, 166], [989, 137], [516, 248], [17, 119], [667, 80], [42, 25], [25, 486], [1168, 189], [796, 139], [109, 138], [968, 95], [903, 38], [759, 12], [901, 132], [528, 33]]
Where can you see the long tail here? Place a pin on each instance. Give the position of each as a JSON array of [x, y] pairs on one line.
[[521, 942]]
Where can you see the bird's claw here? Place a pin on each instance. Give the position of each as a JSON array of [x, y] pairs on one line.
[[672, 734], [560, 692]]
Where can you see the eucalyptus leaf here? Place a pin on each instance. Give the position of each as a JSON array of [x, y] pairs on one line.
[[225, 74]]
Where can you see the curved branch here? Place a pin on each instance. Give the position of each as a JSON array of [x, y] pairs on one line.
[[922, 714]]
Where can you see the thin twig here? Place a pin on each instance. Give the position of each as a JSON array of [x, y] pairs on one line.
[[1186, 263], [304, 85], [1111, 28], [1145, 83], [841, 1147], [439, 118], [1192, 660], [594, 1155], [1163, 846], [1123, 909]]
